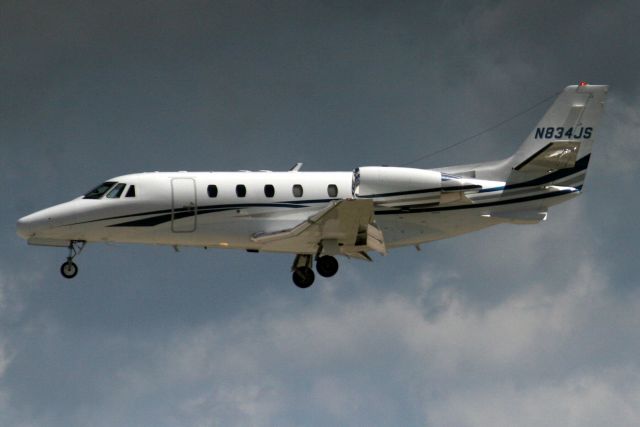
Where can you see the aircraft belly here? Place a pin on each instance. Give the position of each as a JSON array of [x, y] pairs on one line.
[[410, 228]]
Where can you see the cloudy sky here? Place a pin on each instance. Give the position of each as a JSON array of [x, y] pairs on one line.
[[514, 325]]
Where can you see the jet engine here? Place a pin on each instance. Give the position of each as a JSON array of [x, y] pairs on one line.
[[396, 186]]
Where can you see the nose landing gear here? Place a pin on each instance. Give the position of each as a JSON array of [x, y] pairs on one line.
[[69, 269]]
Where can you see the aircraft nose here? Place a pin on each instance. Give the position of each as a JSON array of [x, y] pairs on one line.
[[23, 227], [28, 225], [48, 221]]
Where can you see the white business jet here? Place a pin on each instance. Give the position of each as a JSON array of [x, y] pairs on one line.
[[320, 215]]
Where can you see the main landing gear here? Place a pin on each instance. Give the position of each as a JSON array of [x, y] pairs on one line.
[[303, 275], [327, 266], [69, 269]]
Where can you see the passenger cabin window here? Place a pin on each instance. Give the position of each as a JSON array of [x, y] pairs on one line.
[[332, 190], [297, 190], [212, 190], [241, 190], [116, 191], [131, 192], [99, 191], [269, 191]]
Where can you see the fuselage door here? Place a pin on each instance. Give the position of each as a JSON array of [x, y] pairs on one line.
[[184, 208]]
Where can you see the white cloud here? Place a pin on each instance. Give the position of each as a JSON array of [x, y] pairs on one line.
[[526, 357], [236, 404], [620, 138], [10, 306], [590, 400]]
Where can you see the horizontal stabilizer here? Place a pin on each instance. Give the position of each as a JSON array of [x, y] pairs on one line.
[[519, 217]]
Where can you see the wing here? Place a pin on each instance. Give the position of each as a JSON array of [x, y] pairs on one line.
[[343, 227]]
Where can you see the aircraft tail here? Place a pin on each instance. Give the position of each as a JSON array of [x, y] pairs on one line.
[[558, 149]]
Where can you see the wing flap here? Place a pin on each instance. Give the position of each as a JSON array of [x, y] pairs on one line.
[[267, 237], [347, 222]]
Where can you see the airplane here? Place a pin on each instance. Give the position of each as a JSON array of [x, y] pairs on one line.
[[318, 216]]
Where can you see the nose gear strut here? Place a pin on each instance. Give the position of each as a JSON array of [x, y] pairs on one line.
[[69, 269]]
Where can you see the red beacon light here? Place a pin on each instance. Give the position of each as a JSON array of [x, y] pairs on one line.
[[583, 84]]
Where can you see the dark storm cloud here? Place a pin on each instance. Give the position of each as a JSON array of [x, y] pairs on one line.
[[514, 325]]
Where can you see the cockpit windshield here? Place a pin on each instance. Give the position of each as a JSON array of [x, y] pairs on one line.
[[116, 191], [99, 191]]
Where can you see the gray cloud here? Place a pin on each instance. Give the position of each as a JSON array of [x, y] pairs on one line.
[[379, 359], [513, 325]]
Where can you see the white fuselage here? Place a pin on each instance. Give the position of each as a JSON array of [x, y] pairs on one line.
[[176, 208], [319, 215]]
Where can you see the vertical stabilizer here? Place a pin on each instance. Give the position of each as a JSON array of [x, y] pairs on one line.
[[559, 147]]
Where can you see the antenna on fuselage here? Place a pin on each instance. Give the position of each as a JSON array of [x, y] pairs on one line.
[[482, 132], [296, 167]]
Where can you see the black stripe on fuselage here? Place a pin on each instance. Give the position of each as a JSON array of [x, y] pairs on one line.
[[201, 209], [153, 221], [580, 165], [187, 212], [475, 206], [425, 190], [165, 215]]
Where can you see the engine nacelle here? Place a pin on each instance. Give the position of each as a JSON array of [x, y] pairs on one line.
[[382, 182], [394, 186]]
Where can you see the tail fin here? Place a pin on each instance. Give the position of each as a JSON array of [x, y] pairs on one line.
[[559, 148]]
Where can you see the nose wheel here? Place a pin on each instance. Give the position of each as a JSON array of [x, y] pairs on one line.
[[69, 269]]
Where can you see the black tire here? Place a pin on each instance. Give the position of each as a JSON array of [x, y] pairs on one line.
[[303, 277], [69, 270], [327, 266]]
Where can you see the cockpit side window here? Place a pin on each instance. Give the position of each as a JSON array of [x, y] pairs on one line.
[[131, 192], [116, 191], [99, 191]]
